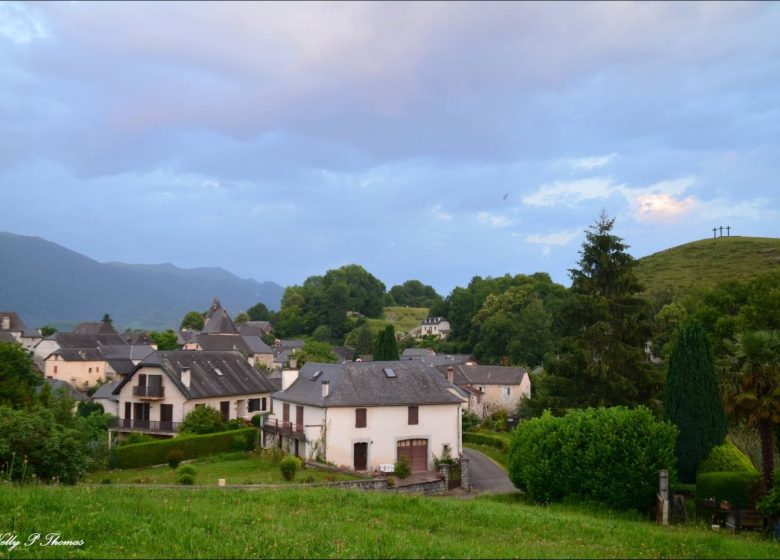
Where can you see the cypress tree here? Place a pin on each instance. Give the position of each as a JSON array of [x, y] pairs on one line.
[[693, 400], [385, 347]]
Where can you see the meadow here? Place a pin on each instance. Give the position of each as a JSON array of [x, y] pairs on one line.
[[326, 523]]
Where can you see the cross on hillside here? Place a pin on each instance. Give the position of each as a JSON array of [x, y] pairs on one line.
[[721, 231], [714, 232], [728, 231]]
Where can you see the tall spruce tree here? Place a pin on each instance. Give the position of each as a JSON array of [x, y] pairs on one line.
[[693, 400], [385, 347], [601, 358]]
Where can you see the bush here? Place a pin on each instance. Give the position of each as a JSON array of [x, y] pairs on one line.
[[486, 439], [402, 467], [174, 457], [192, 447], [203, 420], [289, 466], [469, 421], [770, 504], [186, 479], [496, 422], [741, 488], [187, 469], [135, 437], [609, 455], [727, 458], [273, 454]]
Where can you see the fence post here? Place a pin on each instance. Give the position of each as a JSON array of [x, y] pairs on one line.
[[663, 496], [444, 470]]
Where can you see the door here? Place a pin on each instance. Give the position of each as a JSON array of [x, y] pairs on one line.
[[224, 409], [417, 452], [361, 456], [141, 415], [128, 419], [166, 417]]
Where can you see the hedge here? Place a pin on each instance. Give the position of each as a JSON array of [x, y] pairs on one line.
[[486, 439], [742, 488], [727, 458], [191, 447], [609, 455]]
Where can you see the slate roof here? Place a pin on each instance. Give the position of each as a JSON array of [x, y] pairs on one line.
[[256, 345], [15, 322], [105, 391], [94, 328], [186, 336], [223, 343], [416, 353], [219, 323], [344, 353], [447, 359], [215, 306], [212, 374], [79, 354], [366, 384], [71, 391], [128, 351], [6, 336], [433, 320], [80, 340], [137, 337], [255, 328], [485, 375], [122, 366]]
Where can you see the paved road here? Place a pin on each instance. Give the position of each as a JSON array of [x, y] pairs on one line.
[[486, 476]]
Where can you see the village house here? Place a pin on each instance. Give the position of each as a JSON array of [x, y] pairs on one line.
[[164, 387], [283, 350], [104, 397], [438, 327], [500, 387], [364, 415], [13, 329]]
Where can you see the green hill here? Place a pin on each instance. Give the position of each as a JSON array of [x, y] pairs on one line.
[[704, 264], [403, 319]]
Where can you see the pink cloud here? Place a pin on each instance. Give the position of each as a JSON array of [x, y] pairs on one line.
[[661, 207]]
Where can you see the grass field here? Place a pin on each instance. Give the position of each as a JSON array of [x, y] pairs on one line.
[[143, 522], [403, 319], [235, 468], [705, 263]]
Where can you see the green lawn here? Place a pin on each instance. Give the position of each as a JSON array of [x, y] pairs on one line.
[[236, 468], [403, 319], [326, 523]]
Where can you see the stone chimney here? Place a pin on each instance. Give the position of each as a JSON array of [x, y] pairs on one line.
[[6, 323], [450, 374], [186, 374], [325, 389], [288, 378]]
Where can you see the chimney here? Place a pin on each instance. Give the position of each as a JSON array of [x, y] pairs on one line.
[[293, 362], [450, 374], [6, 323], [185, 377], [325, 389], [288, 378]]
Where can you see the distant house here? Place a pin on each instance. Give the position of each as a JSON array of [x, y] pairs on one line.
[[164, 387], [255, 328], [85, 335], [11, 325], [283, 350], [438, 327], [104, 396], [500, 387], [58, 386], [365, 415]]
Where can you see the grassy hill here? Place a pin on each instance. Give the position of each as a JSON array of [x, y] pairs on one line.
[[116, 522], [403, 319], [703, 264]]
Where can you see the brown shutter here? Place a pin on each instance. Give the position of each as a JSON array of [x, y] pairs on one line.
[[285, 412], [360, 417], [299, 418], [413, 415]]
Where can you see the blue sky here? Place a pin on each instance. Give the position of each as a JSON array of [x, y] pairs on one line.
[[435, 141]]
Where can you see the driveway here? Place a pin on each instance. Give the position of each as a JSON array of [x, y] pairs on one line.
[[486, 476]]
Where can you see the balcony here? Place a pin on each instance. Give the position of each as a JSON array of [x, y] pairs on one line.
[[148, 426], [149, 393], [289, 429]]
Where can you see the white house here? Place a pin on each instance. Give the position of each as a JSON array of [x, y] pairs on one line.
[[156, 396], [366, 414], [438, 327]]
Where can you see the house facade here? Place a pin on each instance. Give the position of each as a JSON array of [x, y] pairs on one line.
[[499, 387], [363, 415], [438, 327], [166, 386]]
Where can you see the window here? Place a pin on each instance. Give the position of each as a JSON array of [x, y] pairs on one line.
[[254, 405], [224, 409], [97, 370], [481, 389], [90, 370], [360, 417], [414, 415], [263, 404], [55, 369], [507, 391]]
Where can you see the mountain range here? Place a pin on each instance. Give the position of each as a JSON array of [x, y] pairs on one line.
[[50, 285]]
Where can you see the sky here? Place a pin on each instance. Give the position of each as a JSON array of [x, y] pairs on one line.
[[434, 141]]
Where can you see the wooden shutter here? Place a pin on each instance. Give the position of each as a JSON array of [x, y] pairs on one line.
[[285, 412], [299, 418], [414, 415], [360, 417]]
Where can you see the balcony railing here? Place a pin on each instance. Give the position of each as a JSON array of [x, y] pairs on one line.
[[157, 426], [284, 428], [148, 391]]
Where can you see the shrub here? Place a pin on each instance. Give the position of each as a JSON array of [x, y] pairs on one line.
[[203, 420], [187, 469], [174, 457], [192, 447], [496, 422], [289, 466], [770, 504], [486, 439], [403, 467], [727, 458], [272, 454], [609, 455], [469, 421], [741, 488], [390, 482], [186, 479], [135, 437]]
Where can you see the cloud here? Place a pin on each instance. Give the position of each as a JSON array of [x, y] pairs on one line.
[[440, 214], [571, 193], [556, 238], [19, 24], [661, 207], [493, 220], [592, 162]]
